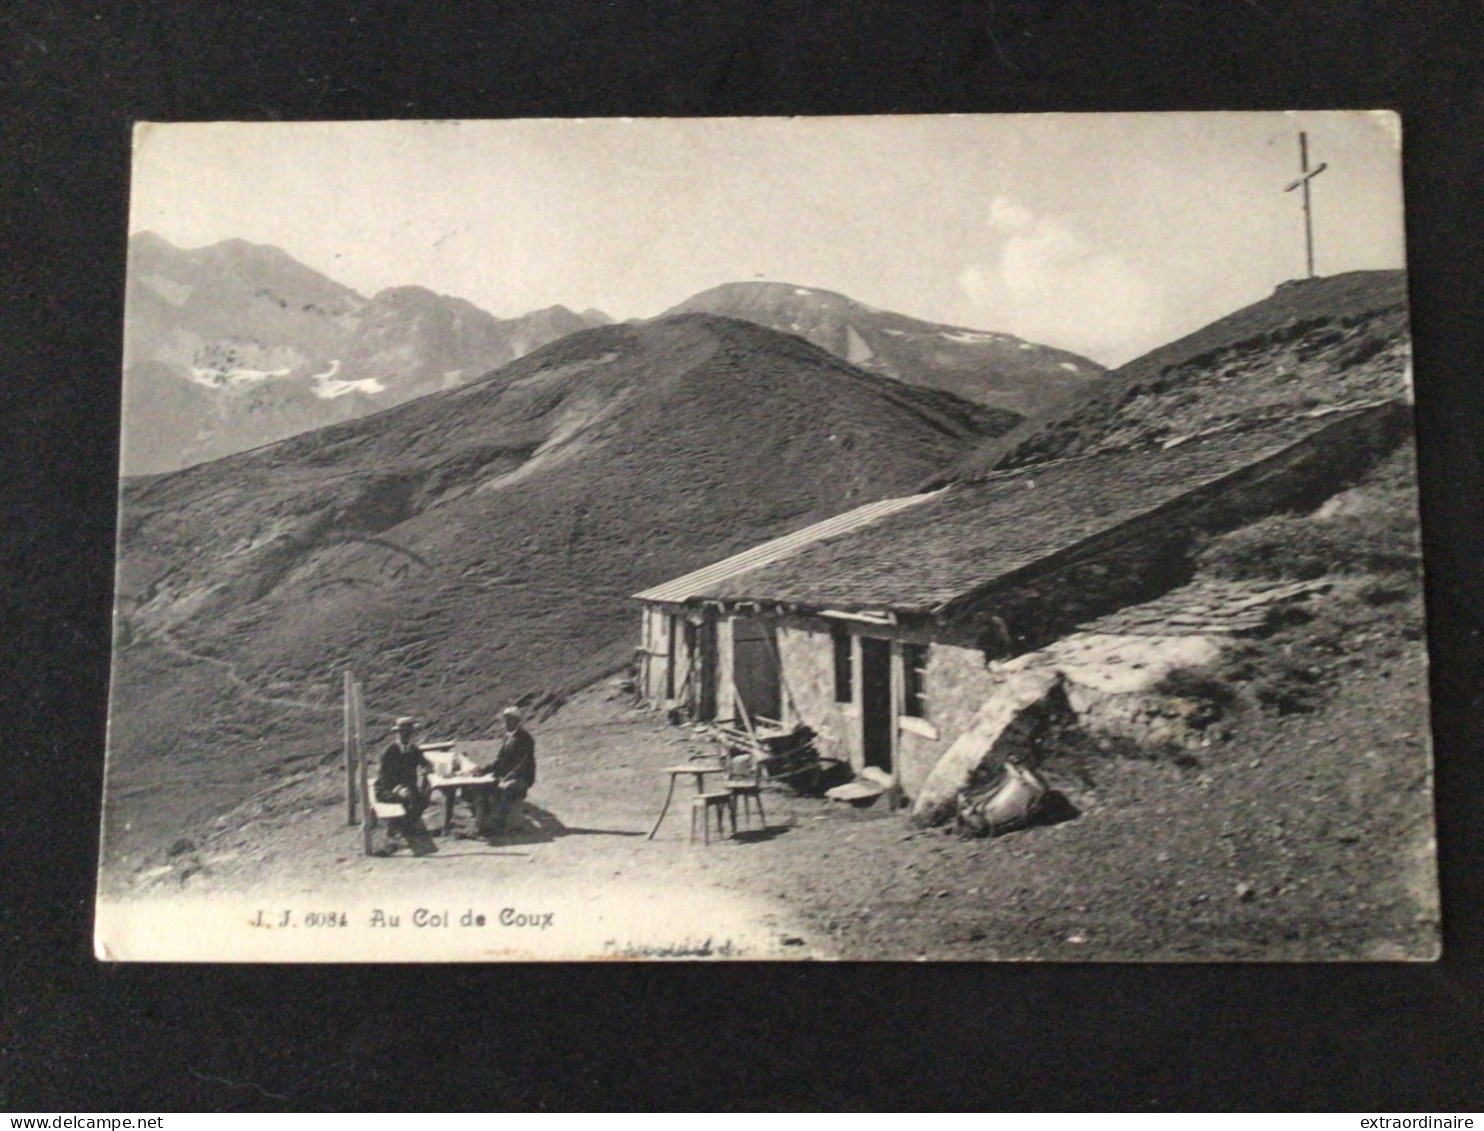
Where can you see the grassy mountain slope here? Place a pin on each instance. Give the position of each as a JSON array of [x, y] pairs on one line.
[[476, 545]]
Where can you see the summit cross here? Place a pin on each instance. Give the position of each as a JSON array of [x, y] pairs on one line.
[[1307, 175]]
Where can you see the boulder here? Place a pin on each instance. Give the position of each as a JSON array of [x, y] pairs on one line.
[[1023, 690]]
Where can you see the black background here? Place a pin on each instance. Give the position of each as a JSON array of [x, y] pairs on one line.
[[79, 1035]]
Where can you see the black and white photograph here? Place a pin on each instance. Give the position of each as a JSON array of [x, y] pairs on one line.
[[921, 537]]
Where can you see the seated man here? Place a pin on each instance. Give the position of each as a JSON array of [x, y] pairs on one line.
[[514, 771], [399, 777]]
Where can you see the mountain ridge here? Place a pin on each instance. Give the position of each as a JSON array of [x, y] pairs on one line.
[[990, 367], [1309, 344], [237, 344]]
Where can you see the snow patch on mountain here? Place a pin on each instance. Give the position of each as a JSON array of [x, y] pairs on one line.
[[173, 292], [215, 378], [327, 387]]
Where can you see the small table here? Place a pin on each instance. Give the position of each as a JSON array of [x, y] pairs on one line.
[[697, 771], [450, 787]]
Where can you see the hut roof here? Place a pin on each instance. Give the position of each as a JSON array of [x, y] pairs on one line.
[[920, 553]]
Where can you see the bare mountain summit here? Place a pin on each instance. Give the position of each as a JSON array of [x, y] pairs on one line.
[[978, 365], [1312, 344]]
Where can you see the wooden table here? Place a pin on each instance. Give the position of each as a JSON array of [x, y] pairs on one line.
[[450, 787], [696, 770]]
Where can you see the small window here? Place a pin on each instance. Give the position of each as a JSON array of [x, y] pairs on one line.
[[844, 686], [914, 680]]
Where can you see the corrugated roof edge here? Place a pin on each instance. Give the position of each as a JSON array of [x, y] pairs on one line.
[[693, 584]]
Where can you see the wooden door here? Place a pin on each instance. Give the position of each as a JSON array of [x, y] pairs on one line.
[[876, 711], [755, 668]]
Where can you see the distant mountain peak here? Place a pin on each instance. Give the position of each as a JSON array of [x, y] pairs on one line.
[[986, 366], [238, 344]]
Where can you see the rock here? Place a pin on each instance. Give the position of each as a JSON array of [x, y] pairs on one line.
[[937, 798], [1245, 893]]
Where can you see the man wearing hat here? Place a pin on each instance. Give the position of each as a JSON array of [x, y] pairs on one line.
[[514, 771], [397, 778]]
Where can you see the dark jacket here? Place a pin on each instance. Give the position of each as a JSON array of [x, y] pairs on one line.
[[399, 767], [516, 759]]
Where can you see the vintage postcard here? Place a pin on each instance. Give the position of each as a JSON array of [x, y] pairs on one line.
[[964, 537]]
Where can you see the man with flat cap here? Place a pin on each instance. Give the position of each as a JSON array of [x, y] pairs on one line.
[[398, 778], [514, 771]]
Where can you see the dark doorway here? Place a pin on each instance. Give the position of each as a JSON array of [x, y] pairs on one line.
[[670, 623], [755, 668], [876, 718], [706, 669]]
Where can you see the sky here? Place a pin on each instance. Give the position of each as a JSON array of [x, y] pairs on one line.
[[1105, 234]]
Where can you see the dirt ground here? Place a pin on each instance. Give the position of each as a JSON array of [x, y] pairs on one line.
[[1298, 837]]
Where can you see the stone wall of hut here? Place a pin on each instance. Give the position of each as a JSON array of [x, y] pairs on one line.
[[958, 682], [807, 650]]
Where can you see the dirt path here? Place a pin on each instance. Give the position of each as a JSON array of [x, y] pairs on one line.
[[583, 860]]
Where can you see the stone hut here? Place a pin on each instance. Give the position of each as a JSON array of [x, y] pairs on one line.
[[876, 628]]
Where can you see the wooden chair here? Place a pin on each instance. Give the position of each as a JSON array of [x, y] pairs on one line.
[[703, 805], [747, 789]]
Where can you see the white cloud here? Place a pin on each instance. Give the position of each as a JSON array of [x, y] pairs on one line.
[[1008, 216], [1051, 285]]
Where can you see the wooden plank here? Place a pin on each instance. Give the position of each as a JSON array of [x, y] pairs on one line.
[[351, 786], [746, 719], [368, 814], [855, 791]]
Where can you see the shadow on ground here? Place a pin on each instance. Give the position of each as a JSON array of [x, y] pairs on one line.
[[531, 825], [757, 836]]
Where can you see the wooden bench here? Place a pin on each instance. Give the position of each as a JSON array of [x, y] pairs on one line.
[[388, 810]]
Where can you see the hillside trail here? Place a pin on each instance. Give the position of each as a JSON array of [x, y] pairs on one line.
[[229, 669]]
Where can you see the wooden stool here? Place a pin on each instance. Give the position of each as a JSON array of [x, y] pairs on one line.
[[750, 793], [702, 805], [748, 786]]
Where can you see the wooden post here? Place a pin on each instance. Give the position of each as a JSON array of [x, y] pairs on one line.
[[788, 695], [368, 814], [898, 697], [741, 708], [352, 786]]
